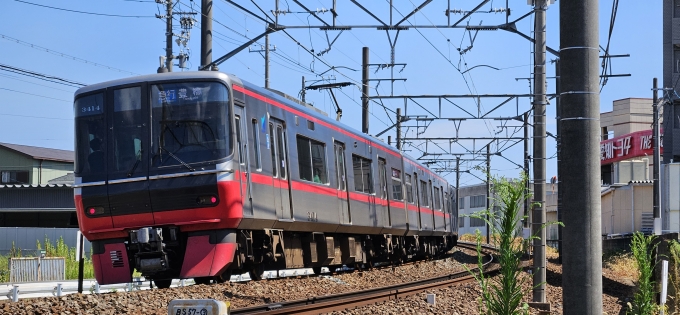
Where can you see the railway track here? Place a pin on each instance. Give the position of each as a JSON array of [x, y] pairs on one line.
[[350, 300]]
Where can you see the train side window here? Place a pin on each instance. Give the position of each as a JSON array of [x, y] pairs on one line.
[[312, 160], [423, 194], [383, 178], [437, 199], [396, 185], [281, 150], [272, 149], [241, 156], [256, 145], [363, 176], [409, 188]]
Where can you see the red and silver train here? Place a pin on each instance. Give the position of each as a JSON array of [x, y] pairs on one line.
[[200, 174]]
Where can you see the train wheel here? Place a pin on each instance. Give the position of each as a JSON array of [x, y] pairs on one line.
[[162, 283], [255, 272], [224, 277], [202, 280], [317, 270]]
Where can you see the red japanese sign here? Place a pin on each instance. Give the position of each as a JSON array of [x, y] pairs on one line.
[[628, 146]]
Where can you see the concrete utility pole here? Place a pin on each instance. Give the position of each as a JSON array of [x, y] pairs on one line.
[[266, 61], [538, 210], [655, 137], [399, 129], [580, 130], [364, 91], [206, 32], [168, 36]]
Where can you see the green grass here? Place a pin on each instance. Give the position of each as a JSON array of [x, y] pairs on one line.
[[60, 249]]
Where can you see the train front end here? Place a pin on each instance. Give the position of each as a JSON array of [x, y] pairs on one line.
[[156, 188]]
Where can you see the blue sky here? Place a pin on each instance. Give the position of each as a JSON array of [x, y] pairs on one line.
[[39, 113]]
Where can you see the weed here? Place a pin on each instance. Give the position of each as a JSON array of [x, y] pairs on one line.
[[644, 302]]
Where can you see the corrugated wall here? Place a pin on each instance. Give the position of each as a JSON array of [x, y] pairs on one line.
[[37, 198]]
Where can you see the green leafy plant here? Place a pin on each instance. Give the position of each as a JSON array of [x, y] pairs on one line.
[[674, 273], [504, 296], [643, 248]]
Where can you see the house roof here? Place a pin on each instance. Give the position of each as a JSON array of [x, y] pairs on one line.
[[67, 179], [39, 153]]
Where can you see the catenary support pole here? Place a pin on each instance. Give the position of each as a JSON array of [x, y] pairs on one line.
[[538, 208], [457, 192], [364, 91], [168, 36], [488, 191], [657, 163], [206, 32], [399, 129], [580, 126]]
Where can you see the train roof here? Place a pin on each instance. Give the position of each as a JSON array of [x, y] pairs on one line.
[[157, 77]]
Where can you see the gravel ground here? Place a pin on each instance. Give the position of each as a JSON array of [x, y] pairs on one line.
[[456, 300]]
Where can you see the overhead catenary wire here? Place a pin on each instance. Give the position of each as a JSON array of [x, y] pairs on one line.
[[64, 55], [83, 12], [41, 76]]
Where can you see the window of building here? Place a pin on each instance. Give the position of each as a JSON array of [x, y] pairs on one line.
[[312, 160], [14, 177], [363, 176], [437, 199], [476, 222], [409, 188], [423, 194], [461, 222], [396, 185], [461, 203], [478, 201]]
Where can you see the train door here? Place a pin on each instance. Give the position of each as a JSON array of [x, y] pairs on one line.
[[341, 175], [241, 126], [416, 191], [279, 153], [128, 157], [384, 199]]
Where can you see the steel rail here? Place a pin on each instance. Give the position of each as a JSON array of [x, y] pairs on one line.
[[350, 300]]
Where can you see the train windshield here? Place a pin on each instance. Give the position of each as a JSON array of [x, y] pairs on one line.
[[90, 135], [189, 123]]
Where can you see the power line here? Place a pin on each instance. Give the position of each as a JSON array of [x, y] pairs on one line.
[[35, 95], [47, 86], [41, 76], [83, 12], [60, 54], [40, 117]]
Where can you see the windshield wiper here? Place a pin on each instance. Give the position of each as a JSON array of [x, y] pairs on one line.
[[134, 167], [176, 158]]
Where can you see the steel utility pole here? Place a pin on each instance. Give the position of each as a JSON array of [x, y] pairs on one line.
[[655, 138], [364, 91], [206, 32], [303, 89], [168, 36], [538, 210], [457, 191], [580, 126]]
